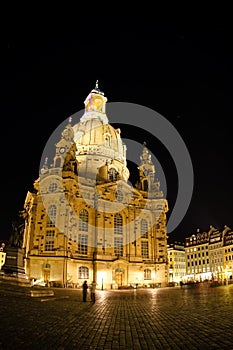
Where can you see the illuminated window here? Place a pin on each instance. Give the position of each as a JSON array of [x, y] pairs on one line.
[[82, 244], [83, 272], [52, 211], [144, 229], [144, 250], [147, 274], [83, 220], [49, 240], [118, 246], [118, 221]]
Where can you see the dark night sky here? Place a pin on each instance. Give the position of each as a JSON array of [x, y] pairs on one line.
[[183, 71]]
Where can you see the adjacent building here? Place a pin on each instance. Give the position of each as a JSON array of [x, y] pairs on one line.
[[2, 255], [209, 255], [176, 261]]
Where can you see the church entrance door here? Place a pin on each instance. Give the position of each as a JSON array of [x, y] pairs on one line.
[[119, 278]]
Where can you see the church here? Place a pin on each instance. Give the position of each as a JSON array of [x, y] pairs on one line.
[[85, 221]]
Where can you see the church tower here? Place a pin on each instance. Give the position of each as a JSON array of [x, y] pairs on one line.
[[85, 220], [147, 182]]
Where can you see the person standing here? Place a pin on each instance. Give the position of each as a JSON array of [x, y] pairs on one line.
[[92, 289], [85, 287]]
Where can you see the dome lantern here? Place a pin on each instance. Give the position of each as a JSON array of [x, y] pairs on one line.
[[95, 101]]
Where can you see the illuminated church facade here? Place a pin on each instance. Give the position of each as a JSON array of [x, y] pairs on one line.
[[85, 221]]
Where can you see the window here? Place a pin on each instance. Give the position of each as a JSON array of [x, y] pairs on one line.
[[52, 211], [145, 185], [83, 272], [147, 274], [58, 163], [49, 240], [82, 244], [118, 224], [144, 250], [107, 139], [52, 187], [83, 220], [112, 174], [144, 229], [118, 246], [119, 196]]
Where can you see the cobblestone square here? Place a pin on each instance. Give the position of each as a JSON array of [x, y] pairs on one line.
[[163, 318]]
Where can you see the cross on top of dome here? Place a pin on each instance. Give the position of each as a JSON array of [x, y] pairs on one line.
[[96, 89]]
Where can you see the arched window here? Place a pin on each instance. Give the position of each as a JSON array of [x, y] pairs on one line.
[[83, 220], [112, 174], [83, 272], [144, 229], [118, 221], [52, 211], [147, 274]]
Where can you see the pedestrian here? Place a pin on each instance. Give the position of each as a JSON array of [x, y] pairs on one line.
[[85, 286], [92, 290]]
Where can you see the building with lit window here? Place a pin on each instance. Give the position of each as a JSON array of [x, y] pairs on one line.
[[2, 255], [227, 254], [209, 255], [84, 220], [176, 261], [216, 254], [197, 256]]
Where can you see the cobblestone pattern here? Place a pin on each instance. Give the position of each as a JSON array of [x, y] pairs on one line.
[[165, 318]]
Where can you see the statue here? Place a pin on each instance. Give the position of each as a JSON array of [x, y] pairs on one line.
[[18, 225]]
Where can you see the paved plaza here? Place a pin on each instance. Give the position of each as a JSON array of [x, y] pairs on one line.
[[163, 318]]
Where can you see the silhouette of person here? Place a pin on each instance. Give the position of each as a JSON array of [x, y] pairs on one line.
[[85, 287], [92, 290]]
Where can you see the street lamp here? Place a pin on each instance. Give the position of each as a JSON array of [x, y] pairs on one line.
[[101, 275]]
